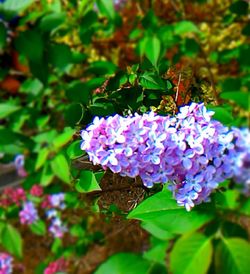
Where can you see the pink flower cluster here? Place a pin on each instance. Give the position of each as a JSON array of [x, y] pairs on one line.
[[12, 196], [59, 265]]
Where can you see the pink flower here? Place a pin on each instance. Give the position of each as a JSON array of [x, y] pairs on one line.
[[56, 266], [36, 190]]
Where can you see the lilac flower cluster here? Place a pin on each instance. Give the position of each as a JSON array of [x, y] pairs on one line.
[[56, 228], [5, 263], [28, 215], [190, 150]]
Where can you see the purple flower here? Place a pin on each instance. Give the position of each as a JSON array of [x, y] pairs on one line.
[[190, 149], [57, 200], [28, 215], [57, 228], [5, 263]]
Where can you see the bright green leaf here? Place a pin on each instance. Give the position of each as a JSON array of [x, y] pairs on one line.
[[60, 167], [63, 138], [232, 256], [42, 157], [87, 182], [12, 240], [7, 109], [74, 151], [162, 210], [184, 27], [153, 50], [39, 227], [239, 97], [191, 254], [124, 263]]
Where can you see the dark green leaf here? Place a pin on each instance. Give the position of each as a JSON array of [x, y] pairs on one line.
[[52, 21], [3, 35], [77, 92], [149, 80], [30, 44], [191, 254], [239, 8], [60, 55]]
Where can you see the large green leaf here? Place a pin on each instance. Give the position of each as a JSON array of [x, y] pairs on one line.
[[30, 44], [12, 240], [124, 263], [87, 182], [239, 97], [107, 8], [232, 256], [60, 167], [191, 254], [153, 50], [42, 157], [63, 138], [162, 210], [60, 56], [7, 109]]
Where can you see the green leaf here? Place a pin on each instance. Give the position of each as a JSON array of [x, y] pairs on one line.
[[59, 55], [239, 8], [7, 109], [74, 151], [184, 27], [239, 97], [107, 8], [39, 227], [73, 114], [227, 199], [157, 253], [12, 240], [63, 138], [124, 263], [42, 157], [149, 80], [156, 231], [30, 44], [12, 7], [87, 182], [232, 256], [153, 50], [191, 254], [222, 114], [3, 35], [47, 175], [162, 210], [60, 167], [101, 68], [52, 21], [245, 209], [31, 86], [78, 92]]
